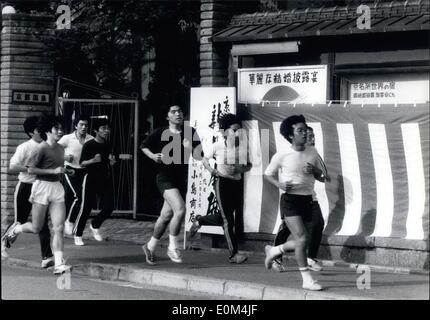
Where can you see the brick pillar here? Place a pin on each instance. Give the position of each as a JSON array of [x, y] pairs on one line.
[[214, 16], [25, 65]]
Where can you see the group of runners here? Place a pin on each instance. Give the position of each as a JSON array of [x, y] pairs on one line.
[[85, 161]]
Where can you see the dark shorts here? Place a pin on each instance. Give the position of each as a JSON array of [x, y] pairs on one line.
[[296, 205], [166, 182]]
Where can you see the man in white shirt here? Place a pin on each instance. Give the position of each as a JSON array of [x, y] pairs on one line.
[[294, 170], [73, 144], [19, 164], [315, 227]]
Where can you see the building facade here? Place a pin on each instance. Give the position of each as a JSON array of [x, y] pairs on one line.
[[374, 55]]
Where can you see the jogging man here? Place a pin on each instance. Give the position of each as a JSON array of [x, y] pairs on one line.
[[47, 191], [171, 178], [73, 144], [97, 159], [231, 162], [19, 163], [299, 167], [316, 226]]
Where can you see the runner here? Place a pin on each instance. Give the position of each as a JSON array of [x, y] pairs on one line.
[[298, 167], [97, 159], [231, 162], [73, 144], [316, 226], [171, 178], [47, 191], [18, 164]]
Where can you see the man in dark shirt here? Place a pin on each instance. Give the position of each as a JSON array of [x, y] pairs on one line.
[[170, 148], [97, 159]]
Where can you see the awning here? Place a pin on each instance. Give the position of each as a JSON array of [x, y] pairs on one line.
[[385, 17]]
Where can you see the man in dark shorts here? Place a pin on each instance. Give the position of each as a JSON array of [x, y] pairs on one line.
[[97, 160], [315, 227], [178, 141], [294, 170]]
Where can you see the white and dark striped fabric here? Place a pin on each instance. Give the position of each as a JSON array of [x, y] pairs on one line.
[[377, 157]]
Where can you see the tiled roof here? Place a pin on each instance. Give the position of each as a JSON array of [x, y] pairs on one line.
[[385, 17]]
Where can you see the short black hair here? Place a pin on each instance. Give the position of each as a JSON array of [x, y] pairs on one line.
[[309, 128], [81, 117], [30, 124], [228, 119], [287, 125], [47, 122], [99, 122]]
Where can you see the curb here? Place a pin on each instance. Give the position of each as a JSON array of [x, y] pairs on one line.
[[375, 268], [197, 284]]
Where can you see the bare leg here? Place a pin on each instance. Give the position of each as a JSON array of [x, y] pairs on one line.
[[57, 211], [298, 230], [177, 205], [38, 213], [163, 220]]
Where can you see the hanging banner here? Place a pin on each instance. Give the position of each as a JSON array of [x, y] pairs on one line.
[[389, 89], [297, 84], [207, 104], [377, 158]]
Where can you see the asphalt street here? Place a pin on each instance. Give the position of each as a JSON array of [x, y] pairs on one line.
[[29, 284]]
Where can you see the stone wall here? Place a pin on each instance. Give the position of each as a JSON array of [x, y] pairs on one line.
[[25, 66]]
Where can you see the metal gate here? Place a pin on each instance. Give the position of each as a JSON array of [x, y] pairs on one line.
[[123, 116]]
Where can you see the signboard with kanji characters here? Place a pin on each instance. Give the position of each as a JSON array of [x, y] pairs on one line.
[[207, 104], [296, 84], [31, 97], [388, 89]]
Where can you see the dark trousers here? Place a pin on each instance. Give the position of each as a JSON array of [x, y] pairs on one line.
[[73, 193], [315, 232], [94, 188], [228, 193], [22, 212]]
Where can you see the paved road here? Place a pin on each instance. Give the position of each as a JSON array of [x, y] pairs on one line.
[[29, 284]]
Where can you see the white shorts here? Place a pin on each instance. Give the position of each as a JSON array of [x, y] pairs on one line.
[[45, 192]]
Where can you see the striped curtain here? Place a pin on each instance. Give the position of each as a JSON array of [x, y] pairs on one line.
[[377, 157]]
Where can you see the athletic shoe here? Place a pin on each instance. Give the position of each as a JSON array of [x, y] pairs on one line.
[[68, 227], [78, 241], [150, 256], [313, 286], [62, 268], [9, 235], [47, 262], [238, 258], [269, 259], [194, 228], [314, 265], [174, 255], [278, 266], [96, 233]]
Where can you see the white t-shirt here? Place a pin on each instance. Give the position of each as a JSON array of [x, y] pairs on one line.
[[290, 164], [23, 156], [73, 146], [225, 157]]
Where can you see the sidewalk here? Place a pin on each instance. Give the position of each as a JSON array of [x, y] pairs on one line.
[[208, 271]]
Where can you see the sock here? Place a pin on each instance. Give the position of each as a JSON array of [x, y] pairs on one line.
[[306, 275], [58, 256], [152, 244], [276, 251], [173, 242], [17, 229]]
